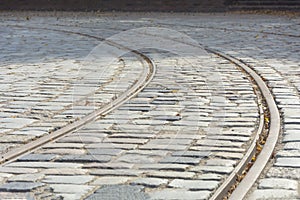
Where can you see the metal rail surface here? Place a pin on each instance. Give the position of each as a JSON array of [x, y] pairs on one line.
[[262, 160], [142, 82]]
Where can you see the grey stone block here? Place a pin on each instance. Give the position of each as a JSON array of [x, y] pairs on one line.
[[46, 165], [194, 184], [17, 195], [181, 160], [136, 158], [64, 171], [288, 162], [110, 165], [101, 151], [75, 179], [273, 194], [182, 194], [20, 186], [150, 182], [80, 190], [37, 157], [278, 183], [212, 169], [292, 146], [119, 192], [116, 172], [171, 174], [126, 140], [196, 154], [84, 158], [221, 162], [26, 178], [161, 166], [18, 170], [111, 180], [292, 137]]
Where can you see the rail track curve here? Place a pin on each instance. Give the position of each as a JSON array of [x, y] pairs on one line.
[[261, 157]]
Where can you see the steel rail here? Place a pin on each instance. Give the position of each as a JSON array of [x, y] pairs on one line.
[[264, 156], [261, 161], [142, 82], [274, 130], [245, 185]]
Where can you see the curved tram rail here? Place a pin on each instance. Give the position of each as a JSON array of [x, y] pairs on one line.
[[148, 74], [248, 168], [261, 156]]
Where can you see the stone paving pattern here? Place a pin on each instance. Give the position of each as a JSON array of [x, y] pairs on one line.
[[56, 88], [179, 138]]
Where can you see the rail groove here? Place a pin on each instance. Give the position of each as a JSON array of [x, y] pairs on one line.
[[223, 190], [265, 154], [262, 159], [142, 82]]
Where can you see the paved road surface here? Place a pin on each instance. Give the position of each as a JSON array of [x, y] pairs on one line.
[[177, 139]]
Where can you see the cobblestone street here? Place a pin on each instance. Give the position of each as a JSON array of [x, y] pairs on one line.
[[180, 137]]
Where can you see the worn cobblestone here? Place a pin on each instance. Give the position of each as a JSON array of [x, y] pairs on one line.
[[276, 183], [150, 182], [79, 179], [20, 186], [171, 174], [273, 194], [179, 194], [194, 184], [37, 157], [26, 178], [111, 180], [71, 189], [114, 192]]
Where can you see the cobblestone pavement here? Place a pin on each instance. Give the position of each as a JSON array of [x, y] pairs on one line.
[[178, 139], [56, 88]]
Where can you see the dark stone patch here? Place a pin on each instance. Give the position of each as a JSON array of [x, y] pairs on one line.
[[167, 102], [168, 118], [196, 154], [20, 186], [119, 192], [137, 108], [37, 157], [84, 158], [17, 195], [101, 151]]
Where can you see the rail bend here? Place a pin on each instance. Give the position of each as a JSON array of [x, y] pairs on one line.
[[246, 173], [241, 186], [147, 75]]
